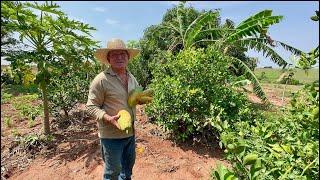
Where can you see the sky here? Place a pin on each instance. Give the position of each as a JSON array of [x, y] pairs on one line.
[[128, 19]]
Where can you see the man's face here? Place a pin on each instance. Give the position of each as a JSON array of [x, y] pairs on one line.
[[118, 59]]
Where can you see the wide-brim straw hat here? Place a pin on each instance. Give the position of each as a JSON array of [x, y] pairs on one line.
[[114, 44]]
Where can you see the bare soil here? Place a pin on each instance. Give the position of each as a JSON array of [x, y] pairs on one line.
[[75, 151]]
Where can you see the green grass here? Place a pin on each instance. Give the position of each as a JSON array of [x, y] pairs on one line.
[[279, 88], [273, 74], [8, 122], [5, 97], [20, 89]]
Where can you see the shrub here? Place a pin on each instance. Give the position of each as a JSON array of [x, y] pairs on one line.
[[33, 143], [285, 147], [69, 87], [18, 76], [192, 91]]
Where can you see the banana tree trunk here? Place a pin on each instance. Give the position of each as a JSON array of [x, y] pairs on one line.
[[284, 90], [46, 124]]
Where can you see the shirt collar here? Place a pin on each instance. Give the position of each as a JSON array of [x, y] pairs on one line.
[[111, 72]]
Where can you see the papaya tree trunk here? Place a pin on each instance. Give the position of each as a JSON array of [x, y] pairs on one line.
[[46, 124]]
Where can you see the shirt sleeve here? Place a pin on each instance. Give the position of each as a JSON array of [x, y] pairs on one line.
[[96, 100]]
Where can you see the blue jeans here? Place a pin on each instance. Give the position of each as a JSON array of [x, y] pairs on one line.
[[119, 157]]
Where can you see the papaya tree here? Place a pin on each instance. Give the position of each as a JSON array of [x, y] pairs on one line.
[[8, 42], [52, 39]]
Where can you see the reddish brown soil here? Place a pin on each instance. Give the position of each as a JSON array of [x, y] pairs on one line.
[[76, 155], [75, 152]]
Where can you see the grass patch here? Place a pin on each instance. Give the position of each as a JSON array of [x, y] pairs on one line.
[[5, 97], [271, 75], [20, 89], [24, 105], [7, 122]]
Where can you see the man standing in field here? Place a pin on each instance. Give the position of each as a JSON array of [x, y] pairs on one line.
[[108, 94]]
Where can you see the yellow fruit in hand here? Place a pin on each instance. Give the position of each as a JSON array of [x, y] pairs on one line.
[[148, 92], [133, 95], [145, 99], [124, 120], [138, 96]]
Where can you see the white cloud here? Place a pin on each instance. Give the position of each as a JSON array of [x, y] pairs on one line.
[[99, 9], [217, 4], [111, 21], [208, 4], [36, 12], [77, 19], [173, 2]]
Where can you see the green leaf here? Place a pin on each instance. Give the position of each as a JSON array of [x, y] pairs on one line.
[[46, 7], [250, 159], [314, 18], [254, 170], [222, 173], [276, 147], [287, 148], [254, 25], [257, 88], [269, 134], [260, 44], [195, 27]]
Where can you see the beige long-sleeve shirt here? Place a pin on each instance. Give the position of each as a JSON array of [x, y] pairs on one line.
[[108, 95]]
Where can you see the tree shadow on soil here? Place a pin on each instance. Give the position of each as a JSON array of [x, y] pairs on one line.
[[73, 143], [206, 147], [202, 147]]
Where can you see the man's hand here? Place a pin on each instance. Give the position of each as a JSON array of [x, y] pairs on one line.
[[112, 120]]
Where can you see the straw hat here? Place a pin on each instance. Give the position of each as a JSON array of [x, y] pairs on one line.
[[114, 44]]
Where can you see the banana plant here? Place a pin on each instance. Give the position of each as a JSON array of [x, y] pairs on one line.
[[188, 36], [249, 34], [252, 34], [52, 41]]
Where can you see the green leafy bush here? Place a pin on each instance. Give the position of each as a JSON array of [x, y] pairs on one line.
[[290, 81], [286, 145], [69, 87], [33, 143], [138, 68], [192, 90], [66, 91], [22, 75]]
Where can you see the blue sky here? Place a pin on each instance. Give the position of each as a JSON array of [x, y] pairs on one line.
[[128, 19]]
